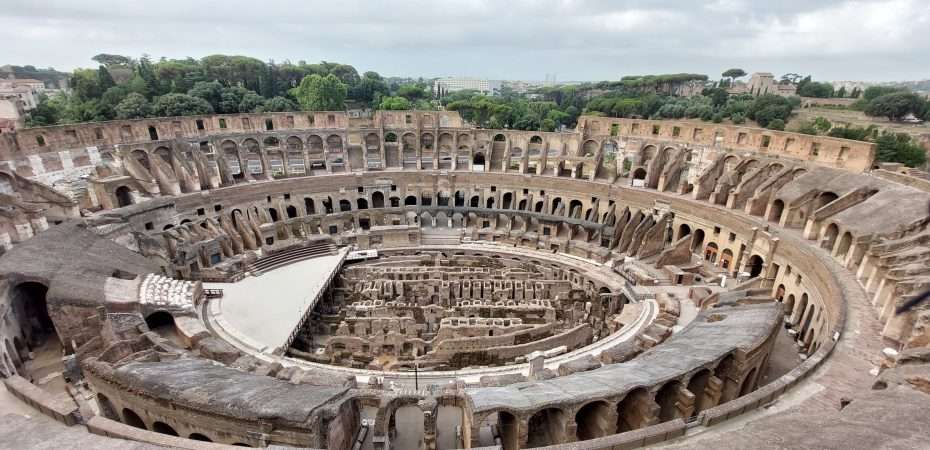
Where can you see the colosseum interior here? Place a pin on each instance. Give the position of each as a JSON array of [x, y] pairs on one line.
[[408, 281]]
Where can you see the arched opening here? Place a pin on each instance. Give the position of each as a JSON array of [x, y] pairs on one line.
[[291, 212], [410, 200], [132, 419], [754, 267], [199, 437], [459, 199], [362, 203], [106, 407], [633, 410], [490, 203], [726, 258], [574, 209], [593, 421], [507, 426], [448, 420], [406, 427], [273, 213], [748, 383], [684, 230], [824, 199], [778, 207], [639, 174], [478, 160], [546, 427], [506, 200], [789, 306], [309, 206], [377, 200], [829, 237], [697, 241], [475, 201], [844, 245], [163, 428], [710, 253], [345, 205], [667, 398], [123, 196], [697, 385], [31, 310], [163, 324]]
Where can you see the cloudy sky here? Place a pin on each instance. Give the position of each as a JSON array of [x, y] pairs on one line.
[[500, 39]]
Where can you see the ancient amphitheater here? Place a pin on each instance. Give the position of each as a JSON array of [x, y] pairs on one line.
[[409, 281]]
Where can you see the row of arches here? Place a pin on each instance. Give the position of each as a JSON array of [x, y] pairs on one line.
[[636, 409], [133, 419]]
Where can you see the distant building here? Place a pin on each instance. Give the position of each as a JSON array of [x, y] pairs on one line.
[[444, 86], [762, 83], [18, 96]]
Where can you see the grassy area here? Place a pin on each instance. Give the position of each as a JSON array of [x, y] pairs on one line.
[[840, 117]]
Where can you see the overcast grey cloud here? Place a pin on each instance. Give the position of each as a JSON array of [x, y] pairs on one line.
[[511, 39]]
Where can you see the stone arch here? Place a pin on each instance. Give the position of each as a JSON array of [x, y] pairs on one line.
[[726, 258], [478, 159], [684, 230], [789, 305], [294, 143], [162, 323], [630, 410], [132, 419], [475, 201], [824, 199], [377, 200], [271, 141], [199, 437], [845, 243], [164, 428], [273, 214], [334, 143], [546, 427], [589, 148], [667, 399], [449, 417], [410, 200], [361, 203], [697, 385], [291, 211], [509, 428], [123, 196], [594, 420], [829, 237], [775, 212], [710, 252], [755, 265], [309, 206], [30, 306], [345, 205], [639, 174], [106, 407], [390, 138], [697, 241], [748, 383]]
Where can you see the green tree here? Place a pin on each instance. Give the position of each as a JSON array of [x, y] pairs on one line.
[[47, 112], [110, 60], [841, 93], [822, 124], [394, 103], [815, 89], [212, 92], [104, 79], [251, 102], [776, 124], [278, 104], [369, 89], [896, 105], [85, 84], [412, 92], [733, 74], [134, 106], [318, 93], [898, 147], [181, 105]]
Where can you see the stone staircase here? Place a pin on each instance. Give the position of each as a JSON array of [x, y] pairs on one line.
[[440, 236], [312, 249]]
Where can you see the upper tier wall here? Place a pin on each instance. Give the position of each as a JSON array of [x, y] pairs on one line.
[[856, 156], [832, 152]]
